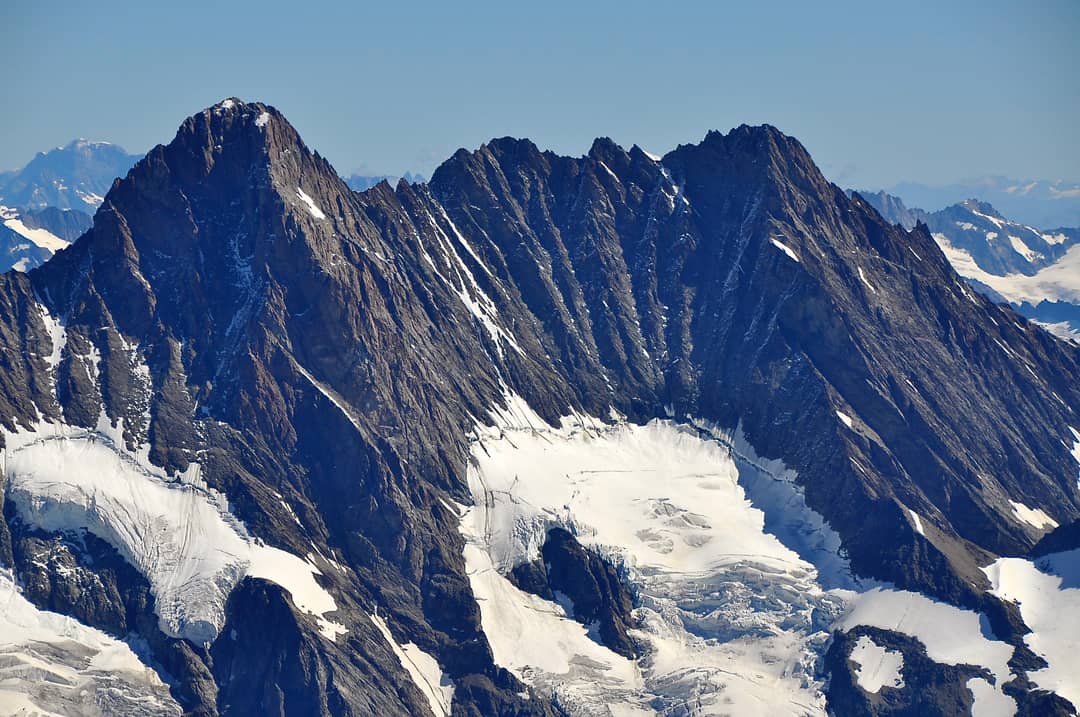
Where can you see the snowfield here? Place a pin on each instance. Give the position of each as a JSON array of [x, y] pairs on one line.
[[1046, 591], [1059, 281], [175, 530]]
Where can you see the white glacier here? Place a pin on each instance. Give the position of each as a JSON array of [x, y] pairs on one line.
[[737, 583], [729, 616]]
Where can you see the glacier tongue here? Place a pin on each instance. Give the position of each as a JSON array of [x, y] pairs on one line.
[[732, 620], [738, 584]]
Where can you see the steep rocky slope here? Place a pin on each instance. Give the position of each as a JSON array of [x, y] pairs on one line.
[[321, 356]]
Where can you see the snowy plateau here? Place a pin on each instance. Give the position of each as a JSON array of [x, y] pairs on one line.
[[737, 584]]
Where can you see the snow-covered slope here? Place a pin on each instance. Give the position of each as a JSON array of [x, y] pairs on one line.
[[1047, 592], [1059, 281], [725, 608], [51, 665], [75, 176]]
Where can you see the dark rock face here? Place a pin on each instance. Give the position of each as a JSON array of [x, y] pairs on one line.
[[1059, 540], [332, 348], [596, 593]]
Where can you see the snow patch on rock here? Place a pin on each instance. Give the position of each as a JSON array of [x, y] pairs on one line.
[[786, 249], [1035, 517], [877, 666], [312, 208]]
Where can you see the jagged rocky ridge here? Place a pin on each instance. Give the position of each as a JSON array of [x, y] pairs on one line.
[[323, 353]]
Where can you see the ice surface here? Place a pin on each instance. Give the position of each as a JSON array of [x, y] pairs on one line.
[[51, 664], [311, 207], [737, 583], [1048, 594], [989, 702], [175, 530], [786, 249], [877, 666], [534, 639], [423, 669]]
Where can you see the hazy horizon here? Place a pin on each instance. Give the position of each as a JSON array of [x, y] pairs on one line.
[[918, 93]]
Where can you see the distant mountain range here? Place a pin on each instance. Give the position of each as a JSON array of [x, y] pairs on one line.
[[1037, 271], [75, 176], [362, 182], [1040, 203]]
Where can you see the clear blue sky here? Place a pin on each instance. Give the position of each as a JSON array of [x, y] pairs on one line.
[[878, 92]]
